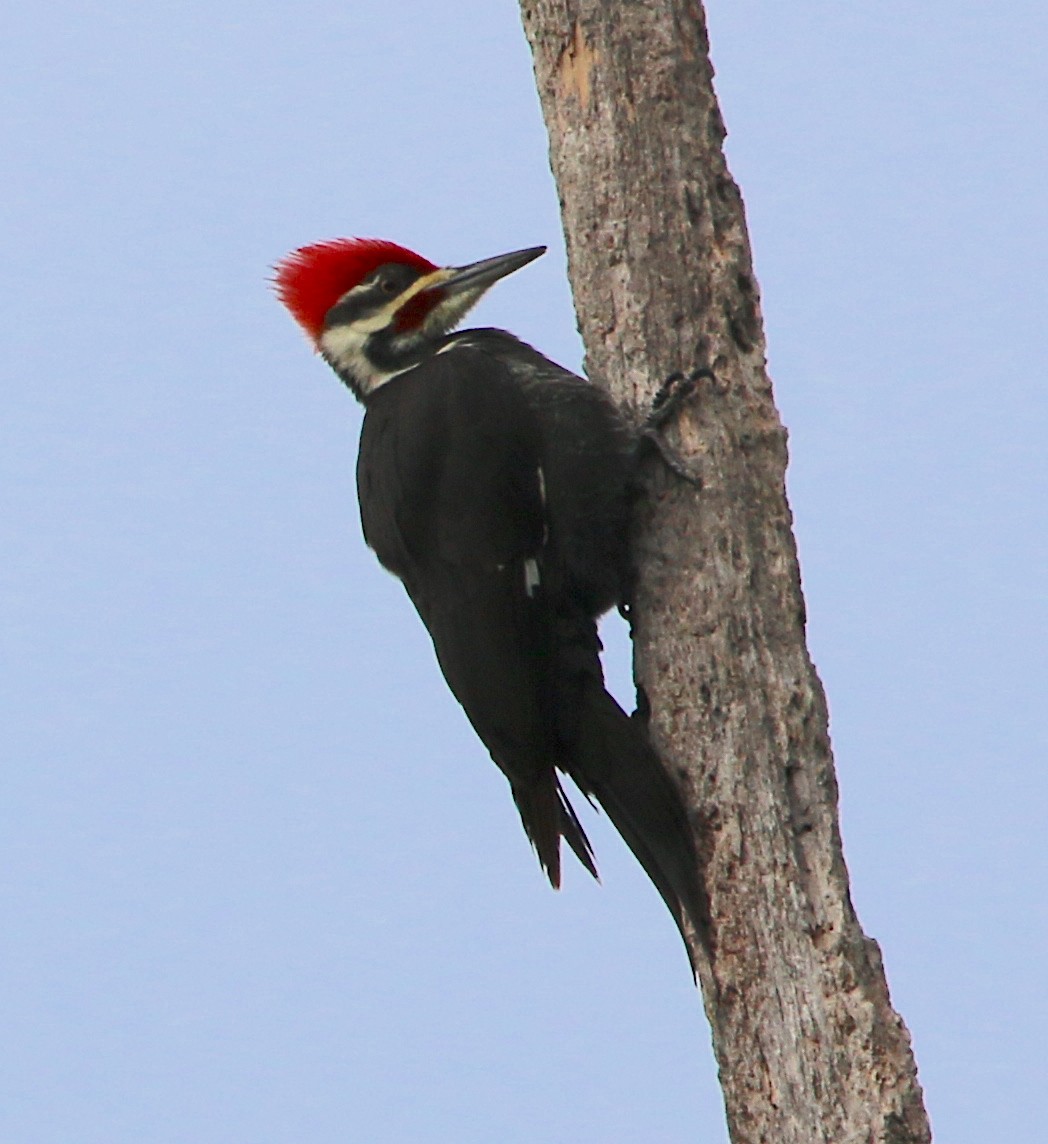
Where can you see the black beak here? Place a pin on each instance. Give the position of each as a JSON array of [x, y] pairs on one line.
[[480, 275]]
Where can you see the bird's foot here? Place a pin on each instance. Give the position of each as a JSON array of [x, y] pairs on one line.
[[673, 393], [671, 398]]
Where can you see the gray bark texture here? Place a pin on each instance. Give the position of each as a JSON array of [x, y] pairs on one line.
[[808, 1045]]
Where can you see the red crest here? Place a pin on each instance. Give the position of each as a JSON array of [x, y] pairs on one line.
[[310, 280]]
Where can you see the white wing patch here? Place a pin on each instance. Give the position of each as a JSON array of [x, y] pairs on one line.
[[532, 579], [542, 501]]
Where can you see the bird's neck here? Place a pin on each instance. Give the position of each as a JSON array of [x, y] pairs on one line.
[[365, 360]]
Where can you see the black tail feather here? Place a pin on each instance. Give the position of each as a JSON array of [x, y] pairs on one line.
[[609, 758], [541, 813], [615, 763], [574, 835], [547, 817]]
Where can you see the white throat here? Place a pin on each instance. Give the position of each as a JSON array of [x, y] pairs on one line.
[[343, 349]]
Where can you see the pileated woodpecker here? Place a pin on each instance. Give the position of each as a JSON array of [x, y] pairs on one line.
[[497, 486]]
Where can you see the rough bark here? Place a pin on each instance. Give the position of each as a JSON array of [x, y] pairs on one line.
[[808, 1044]]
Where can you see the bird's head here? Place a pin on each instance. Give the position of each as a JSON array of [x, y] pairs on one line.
[[374, 309]]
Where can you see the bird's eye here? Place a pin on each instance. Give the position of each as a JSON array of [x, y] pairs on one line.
[[388, 286]]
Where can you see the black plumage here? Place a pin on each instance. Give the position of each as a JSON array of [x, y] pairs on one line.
[[497, 485]]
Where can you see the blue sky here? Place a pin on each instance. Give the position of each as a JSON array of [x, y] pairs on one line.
[[259, 882]]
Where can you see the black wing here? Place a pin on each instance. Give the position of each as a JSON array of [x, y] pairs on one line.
[[451, 500]]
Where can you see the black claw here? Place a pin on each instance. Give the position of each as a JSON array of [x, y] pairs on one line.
[[669, 400], [674, 392]]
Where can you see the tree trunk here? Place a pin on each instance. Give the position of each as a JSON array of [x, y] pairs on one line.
[[808, 1044]]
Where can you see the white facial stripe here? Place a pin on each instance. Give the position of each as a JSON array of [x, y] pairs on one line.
[[424, 283], [343, 347], [344, 343], [452, 310], [384, 317]]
